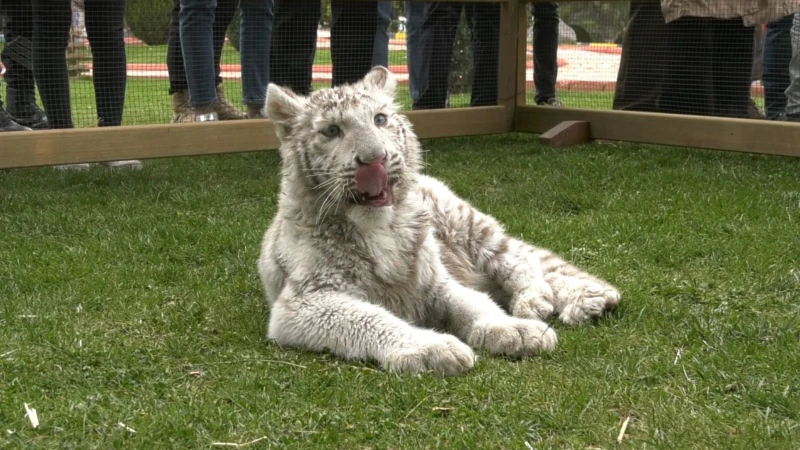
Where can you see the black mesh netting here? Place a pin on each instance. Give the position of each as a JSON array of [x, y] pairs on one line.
[[114, 62]]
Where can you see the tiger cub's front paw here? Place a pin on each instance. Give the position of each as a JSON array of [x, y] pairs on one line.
[[441, 354], [513, 337]]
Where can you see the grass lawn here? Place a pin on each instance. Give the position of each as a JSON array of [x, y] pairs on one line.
[[133, 298], [148, 102], [150, 54]]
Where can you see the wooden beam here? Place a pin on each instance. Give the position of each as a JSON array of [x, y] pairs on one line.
[[507, 76], [522, 55], [50, 147], [566, 134], [716, 133]]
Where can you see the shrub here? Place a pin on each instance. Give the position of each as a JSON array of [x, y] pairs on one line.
[[461, 63], [149, 20], [233, 31]]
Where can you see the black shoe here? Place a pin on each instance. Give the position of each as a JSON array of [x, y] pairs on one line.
[[25, 111], [7, 123]]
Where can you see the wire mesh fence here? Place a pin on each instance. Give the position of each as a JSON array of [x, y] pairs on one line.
[[91, 63]]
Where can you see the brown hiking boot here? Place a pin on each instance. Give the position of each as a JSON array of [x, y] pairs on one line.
[[224, 108], [256, 112], [180, 106], [209, 113]]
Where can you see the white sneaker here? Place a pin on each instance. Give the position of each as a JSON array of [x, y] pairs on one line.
[[131, 164], [82, 166]]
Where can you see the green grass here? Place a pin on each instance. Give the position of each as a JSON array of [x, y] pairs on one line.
[[116, 288], [157, 54]]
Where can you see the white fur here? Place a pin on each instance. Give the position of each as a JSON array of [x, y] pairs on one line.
[[414, 286]]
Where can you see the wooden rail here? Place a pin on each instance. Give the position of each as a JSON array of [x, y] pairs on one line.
[[49, 147], [41, 148]]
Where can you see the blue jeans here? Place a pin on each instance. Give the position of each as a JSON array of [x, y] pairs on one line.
[[196, 30], [380, 51], [415, 15], [777, 55]]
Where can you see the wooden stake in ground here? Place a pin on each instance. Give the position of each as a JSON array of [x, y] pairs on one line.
[[566, 134]]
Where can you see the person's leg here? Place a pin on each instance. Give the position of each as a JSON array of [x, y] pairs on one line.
[[352, 39], [176, 70], [22, 112], [688, 83], [545, 52], [793, 91], [51, 23], [437, 35], [415, 14], [641, 69], [255, 42], [223, 16], [380, 48], [484, 21], [775, 75], [197, 45], [105, 21], [732, 62], [294, 43], [175, 67]]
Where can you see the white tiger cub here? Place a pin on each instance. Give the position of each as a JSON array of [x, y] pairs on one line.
[[369, 259]]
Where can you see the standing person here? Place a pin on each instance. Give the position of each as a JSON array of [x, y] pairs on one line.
[[641, 68], [545, 52], [792, 113], [437, 36], [415, 15], [715, 77], [105, 29], [777, 55], [197, 24], [21, 113], [380, 48], [438, 31], [294, 43], [178, 87]]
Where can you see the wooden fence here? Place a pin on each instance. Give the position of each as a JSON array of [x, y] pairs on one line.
[[49, 147]]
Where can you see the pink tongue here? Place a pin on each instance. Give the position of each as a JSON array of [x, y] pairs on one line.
[[371, 179]]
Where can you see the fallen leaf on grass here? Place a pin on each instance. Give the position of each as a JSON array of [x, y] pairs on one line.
[[125, 427], [235, 445], [622, 430], [32, 416], [441, 410]]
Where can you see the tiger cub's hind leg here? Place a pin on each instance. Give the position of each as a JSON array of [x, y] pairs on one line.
[[538, 282]]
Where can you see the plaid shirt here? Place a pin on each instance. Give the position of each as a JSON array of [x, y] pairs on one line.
[[753, 12]]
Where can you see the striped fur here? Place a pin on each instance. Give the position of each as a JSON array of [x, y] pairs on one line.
[[416, 285]]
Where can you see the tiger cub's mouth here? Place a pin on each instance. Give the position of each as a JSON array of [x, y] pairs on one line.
[[372, 184], [383, 198]]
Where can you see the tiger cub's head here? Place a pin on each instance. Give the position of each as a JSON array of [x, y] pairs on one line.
[[348, 146]]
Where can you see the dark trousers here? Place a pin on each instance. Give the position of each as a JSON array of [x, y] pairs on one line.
[[777, 56], [545, 50], [707, 67], [17, 55], [437, 36], [175, 66], [294, 42], [49, 23], [641, 68]]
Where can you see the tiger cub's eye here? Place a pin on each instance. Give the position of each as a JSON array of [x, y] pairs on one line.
[[381, 120], [331, 131]]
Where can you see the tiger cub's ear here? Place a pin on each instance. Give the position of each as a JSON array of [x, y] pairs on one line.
[[283, 106], [382, 79]]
